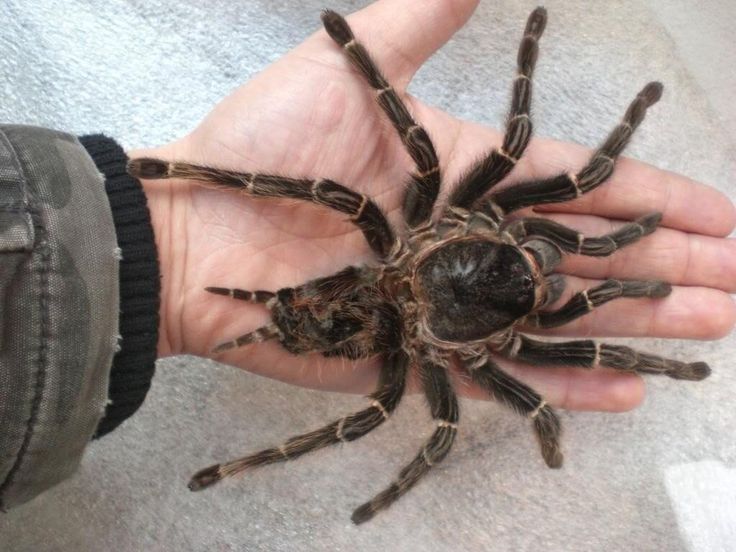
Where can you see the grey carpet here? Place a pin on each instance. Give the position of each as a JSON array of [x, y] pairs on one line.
[[660, 478]]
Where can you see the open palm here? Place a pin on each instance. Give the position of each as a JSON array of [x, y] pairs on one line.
[[311, 115]]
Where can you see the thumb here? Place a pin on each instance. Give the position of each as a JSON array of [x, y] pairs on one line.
[[401, 34]]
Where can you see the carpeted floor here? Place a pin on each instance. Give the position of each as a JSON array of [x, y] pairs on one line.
[[660, 478]]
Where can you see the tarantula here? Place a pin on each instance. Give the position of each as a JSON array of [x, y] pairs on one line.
[[456, 289]]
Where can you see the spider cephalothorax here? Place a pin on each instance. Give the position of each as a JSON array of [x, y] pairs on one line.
[[453, 289]]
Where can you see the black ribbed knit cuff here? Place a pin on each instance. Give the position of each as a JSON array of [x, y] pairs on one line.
[[133, 365]]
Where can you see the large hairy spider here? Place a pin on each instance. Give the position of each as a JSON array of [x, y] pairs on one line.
[[454, 289]]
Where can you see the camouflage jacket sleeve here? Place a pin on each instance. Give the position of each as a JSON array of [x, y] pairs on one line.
[[60, 312]]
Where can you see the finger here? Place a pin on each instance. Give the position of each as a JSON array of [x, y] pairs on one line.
[[687, 313], [401, 34], [570, 388], [671, 255], [634, 188]]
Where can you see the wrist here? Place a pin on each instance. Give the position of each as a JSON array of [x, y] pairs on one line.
[[161, 205], [138, 282]]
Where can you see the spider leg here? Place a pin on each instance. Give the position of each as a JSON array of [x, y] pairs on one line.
[[443, 404], [264, 333], [259, 296], [363, 212], [571, 185], [498, 163], [587, 353], [424, 186], [572, 241], [327, 288], [520, 398], [585, 301], [388, 393]]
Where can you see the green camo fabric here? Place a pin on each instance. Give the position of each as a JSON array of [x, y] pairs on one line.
[[58, 330]]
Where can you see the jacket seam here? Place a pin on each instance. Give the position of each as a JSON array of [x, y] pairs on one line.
[[44, 252]]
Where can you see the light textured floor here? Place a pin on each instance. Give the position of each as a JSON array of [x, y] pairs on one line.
[[660, 478]]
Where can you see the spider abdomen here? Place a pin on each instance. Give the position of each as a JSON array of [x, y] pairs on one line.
[[470, 288], [354, 323]]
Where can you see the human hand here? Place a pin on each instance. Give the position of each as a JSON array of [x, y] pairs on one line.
[[310, 114]]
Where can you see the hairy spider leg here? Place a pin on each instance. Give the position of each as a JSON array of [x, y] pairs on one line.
[[522, 399], [587, 353], [568, 186], [444, 408], [388, 393], [492, 168], [421, 192], [572, 241], [585, 301], [362, 210], [258, 296], [264, 333]]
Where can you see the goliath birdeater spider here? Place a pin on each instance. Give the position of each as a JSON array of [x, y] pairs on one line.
[[454, 289]]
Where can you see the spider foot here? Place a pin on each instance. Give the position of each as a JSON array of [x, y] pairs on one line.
[[694, 371], [337, 27], [649, 222], [363, 513], [553, 457], [146, 167], [547, 428], [205, 478], [655, 289], [652, 93], [651, 364]]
